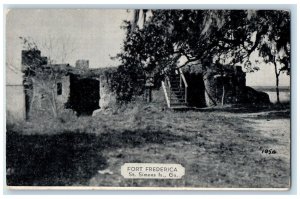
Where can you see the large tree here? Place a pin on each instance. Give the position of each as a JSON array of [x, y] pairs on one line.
[[224, 36]]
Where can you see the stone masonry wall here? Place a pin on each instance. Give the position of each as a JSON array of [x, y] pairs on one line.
[[107, 98]]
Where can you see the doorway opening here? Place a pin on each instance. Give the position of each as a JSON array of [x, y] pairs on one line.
[[84, 95]]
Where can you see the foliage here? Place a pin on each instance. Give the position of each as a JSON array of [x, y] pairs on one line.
[[274, 47], [207, 36], [194, 34], [127, 82]]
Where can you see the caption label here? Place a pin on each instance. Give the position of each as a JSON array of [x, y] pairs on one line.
[[152, 171]]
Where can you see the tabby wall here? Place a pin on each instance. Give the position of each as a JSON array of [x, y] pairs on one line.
[[222, 83]]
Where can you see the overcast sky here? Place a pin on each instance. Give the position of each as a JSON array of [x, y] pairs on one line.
[[88, 34]]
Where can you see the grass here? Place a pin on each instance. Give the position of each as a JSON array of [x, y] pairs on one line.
[[218, 148]]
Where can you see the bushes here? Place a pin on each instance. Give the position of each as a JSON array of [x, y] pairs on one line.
[[127, 83]]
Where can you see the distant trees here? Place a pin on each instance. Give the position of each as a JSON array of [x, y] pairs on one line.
[[223, 36], [275, 46]]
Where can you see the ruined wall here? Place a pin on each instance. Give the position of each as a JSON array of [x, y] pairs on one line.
[[107, 98], [44, 92], [16, 104], [63, 98], [82, 64], [227, 83]]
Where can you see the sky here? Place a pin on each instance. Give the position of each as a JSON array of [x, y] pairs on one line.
[[92, 34]]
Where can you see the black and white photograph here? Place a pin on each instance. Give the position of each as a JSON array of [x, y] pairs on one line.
[[148, 98]]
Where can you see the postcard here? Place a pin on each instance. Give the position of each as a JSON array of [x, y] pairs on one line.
[[181, 99]]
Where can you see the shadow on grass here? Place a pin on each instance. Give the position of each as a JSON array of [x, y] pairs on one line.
[[137, 138], [68, 158], [246, 108], [276, 115], [60, 159]]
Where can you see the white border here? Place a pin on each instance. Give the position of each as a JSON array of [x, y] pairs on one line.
[[162, 4], [141, 188]]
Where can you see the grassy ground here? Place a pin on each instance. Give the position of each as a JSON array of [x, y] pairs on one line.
[[219, 147]]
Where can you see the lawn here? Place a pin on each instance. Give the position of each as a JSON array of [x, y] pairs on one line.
[[218, 147]]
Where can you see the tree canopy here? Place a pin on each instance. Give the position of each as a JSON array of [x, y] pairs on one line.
[[207, 36]]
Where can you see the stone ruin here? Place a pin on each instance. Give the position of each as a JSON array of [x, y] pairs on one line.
[[87, 91], [214, 84], [80, 88]]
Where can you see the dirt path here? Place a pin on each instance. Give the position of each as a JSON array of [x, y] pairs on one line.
[[278, 129]]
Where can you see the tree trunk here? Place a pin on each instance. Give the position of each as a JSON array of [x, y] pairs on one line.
[[277, 83], [210, 100], [277, 88], [149, 94], [223, 83], [223, 94]]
